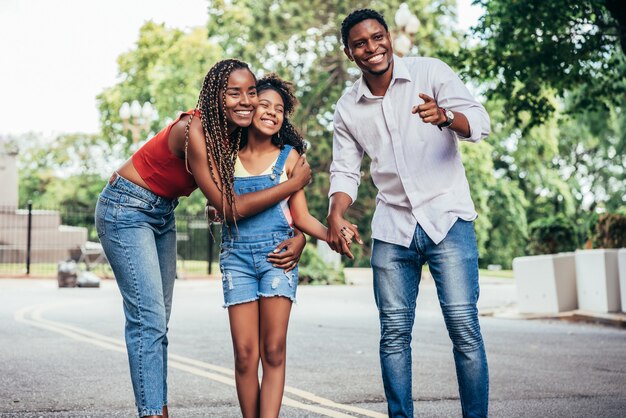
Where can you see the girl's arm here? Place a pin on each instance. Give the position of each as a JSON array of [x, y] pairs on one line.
[[303, 219], [247, 204]]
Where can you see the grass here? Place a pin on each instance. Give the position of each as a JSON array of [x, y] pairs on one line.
[[503, 274], [186, 268]]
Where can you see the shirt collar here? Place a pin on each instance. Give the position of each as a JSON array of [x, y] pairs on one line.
[[400, 72]]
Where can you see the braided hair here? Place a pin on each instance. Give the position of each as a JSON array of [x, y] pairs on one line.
[[221, 149], [288, 134]]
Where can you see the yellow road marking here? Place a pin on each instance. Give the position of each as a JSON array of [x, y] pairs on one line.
[[33, 315]]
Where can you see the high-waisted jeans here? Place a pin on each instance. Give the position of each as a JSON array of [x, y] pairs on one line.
[[138, 233], [453, 264]]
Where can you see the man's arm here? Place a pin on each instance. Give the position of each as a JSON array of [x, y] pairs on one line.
[[471, 121], [345, 177]]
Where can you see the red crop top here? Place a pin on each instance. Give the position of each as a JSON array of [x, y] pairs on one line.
[[164, 172]]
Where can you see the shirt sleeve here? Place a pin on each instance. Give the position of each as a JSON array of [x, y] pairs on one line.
[[451, 93], [345, 169]]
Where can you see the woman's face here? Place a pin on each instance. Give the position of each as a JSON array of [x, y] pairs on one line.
[[241, 98], [270, 113]]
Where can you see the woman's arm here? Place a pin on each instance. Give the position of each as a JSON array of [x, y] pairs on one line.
[[246, 204]]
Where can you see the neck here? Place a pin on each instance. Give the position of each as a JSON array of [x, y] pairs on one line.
[[258, 142], [379, 83]]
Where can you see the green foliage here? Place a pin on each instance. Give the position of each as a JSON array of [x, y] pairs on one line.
[[528, 51], [508, 235], [313, 270], [166, 68], [552, 235], [611, 231]]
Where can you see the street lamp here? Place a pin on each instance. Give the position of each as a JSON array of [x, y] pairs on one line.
[[407, 25], [137, 118]]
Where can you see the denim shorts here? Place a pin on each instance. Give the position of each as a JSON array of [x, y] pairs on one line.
[[248, 275]]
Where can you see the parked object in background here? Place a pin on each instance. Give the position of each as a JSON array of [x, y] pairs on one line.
[[87, 279], [67, 273], [621, 266], [597, 280], [546, 283]]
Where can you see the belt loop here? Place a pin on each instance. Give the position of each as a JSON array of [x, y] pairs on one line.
[[113, 177]]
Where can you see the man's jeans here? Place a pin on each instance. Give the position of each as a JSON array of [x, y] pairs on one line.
[[453, 264]]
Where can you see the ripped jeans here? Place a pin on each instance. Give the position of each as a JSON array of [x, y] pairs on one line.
[[453, 264], [248, 275]]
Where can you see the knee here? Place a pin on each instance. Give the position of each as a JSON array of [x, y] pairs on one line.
[[396, 328], [274, 353], [463, 327], [246, 359]]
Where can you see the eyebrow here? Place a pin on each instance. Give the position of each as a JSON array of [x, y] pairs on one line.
[[266, 100], [239, 88], [366, 37]]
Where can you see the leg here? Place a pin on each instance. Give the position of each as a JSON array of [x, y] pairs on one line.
[[132, 252], [397, 273], [244, 328], [166, 248], [274, 319], [454, 266]]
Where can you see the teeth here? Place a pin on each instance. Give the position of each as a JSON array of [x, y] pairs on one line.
[[243, 112], [375, 59]]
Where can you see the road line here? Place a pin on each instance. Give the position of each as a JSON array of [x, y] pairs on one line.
[[33, 315]]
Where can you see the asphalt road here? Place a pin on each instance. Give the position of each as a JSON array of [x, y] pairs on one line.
[[62, 355]]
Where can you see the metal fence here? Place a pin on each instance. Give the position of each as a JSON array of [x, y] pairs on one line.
[[34, 240]]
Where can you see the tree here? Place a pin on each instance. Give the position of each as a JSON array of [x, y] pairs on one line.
[[530, 51], [65, 172]]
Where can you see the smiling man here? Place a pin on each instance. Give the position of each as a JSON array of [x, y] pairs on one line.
[[408, 115]]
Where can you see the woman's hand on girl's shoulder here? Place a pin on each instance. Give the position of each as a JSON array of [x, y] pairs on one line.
[[301, 170]]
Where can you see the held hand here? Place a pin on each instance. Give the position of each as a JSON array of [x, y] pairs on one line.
[[340, 234], [429, 111], [302, 172], [287, 254]]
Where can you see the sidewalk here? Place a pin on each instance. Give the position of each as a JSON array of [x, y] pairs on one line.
[[498, 299]]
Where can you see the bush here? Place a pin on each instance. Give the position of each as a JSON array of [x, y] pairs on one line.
[[313, 270], [552, 235], [610, 231]]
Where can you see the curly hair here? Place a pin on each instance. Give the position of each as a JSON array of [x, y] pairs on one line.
[[357, 17], [288, 134], [221, 148]]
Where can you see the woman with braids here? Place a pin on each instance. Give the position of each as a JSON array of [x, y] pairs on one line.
[[257, 294], [135, 215]]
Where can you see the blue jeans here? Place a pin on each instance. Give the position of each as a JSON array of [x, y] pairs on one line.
[[138, 233], [453, 264]]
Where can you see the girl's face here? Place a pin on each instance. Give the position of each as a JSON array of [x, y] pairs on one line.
[[269, 116], [241, 98]]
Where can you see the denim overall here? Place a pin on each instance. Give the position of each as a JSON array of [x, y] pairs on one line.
[[246, 273]]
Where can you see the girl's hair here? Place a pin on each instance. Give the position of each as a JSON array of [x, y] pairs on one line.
[[221, 149], [288, 134]]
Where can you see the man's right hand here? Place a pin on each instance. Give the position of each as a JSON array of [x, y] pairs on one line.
[[301, 172]]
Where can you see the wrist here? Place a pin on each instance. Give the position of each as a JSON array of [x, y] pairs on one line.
[[448, 118]]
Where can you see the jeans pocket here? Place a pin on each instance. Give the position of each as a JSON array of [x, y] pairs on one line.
[[101, 211], [224, 253]]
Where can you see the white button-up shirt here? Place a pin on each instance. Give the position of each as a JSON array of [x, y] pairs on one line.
[[416, 167]]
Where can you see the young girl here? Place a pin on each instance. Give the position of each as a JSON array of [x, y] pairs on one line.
[[259, 295], [135, 215]]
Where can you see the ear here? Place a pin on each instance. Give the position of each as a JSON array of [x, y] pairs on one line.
[[348, 54]]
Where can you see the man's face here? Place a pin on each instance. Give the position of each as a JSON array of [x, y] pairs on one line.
[[369, 46]]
